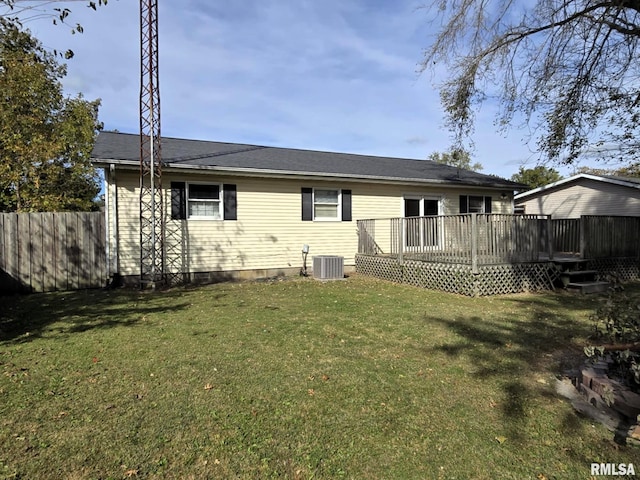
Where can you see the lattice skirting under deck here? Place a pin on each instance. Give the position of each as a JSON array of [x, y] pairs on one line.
[[616, 269], [491, 279]]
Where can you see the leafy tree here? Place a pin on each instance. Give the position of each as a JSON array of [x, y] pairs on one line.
[[16, 12], [456, 157], [537, 176], [45, 138], [568, 68]]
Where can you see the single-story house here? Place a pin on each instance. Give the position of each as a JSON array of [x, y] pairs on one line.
[[246, 211], [583, 194]]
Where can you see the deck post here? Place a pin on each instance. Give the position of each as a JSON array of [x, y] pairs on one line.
[[550, 237], [583, 236], [474, 243], [401, 241]]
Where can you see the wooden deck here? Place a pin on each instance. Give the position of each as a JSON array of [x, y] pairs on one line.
[[484, 254]]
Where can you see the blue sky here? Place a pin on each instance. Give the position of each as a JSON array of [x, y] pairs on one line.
[[331, 75]]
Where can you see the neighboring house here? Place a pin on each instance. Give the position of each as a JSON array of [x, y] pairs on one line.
[[583, 194], [248, 210]]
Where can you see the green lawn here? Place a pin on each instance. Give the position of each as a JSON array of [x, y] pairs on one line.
[[294, 379]]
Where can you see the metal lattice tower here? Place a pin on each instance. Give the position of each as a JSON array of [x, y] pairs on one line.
[[151, 210]]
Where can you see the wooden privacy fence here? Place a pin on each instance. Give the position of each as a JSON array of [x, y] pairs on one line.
[[42, 252], [595, 236], [609, 237]]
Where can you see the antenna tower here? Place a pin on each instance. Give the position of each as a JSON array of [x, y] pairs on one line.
[[151, 211]]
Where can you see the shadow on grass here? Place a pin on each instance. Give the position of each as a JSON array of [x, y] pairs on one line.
[[517, 351], [27, 317]]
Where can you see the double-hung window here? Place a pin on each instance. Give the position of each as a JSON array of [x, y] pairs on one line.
[[475, 204], [204, 201], [326, 204]]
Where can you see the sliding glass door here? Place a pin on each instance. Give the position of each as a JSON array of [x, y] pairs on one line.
[[421, 232]]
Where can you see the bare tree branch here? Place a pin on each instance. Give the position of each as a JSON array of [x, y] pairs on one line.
[[565, 67]]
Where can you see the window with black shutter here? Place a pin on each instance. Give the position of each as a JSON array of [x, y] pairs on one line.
[[206, 201], [326, 204]]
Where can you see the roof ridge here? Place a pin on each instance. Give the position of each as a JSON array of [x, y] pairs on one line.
[[186, 158]]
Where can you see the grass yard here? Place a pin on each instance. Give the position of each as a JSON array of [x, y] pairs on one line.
[[358, 379]]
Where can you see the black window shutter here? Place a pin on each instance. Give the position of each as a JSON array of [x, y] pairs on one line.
[[307, 204], [346, 205], [464, 203], [178, 201], [230, 202], [487, 204]]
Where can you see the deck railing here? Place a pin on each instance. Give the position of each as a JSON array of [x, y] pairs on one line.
[[565, 235], [473, 239], [486, 239]]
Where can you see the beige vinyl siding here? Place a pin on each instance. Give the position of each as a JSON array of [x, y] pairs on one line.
[[585, 197], [128, 221], [111, 225], [269, 232]]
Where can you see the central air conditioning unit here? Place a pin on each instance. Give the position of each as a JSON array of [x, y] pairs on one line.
[[328, 267]]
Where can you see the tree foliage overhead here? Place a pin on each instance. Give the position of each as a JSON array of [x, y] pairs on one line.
[[567, 67], [45, 138], [537, 176], [15, 13], [456, 157], [632, 171]]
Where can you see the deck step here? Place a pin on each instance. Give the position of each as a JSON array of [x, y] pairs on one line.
[[569, 260], [577, 276], [571, 265], [578, 273], [589, 287]]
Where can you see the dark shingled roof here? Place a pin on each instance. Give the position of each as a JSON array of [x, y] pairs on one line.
[[120, 148]]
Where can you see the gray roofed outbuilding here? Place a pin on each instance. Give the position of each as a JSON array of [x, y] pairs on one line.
[[124, 149]]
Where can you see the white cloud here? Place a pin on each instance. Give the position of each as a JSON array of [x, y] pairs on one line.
[[330, 75]]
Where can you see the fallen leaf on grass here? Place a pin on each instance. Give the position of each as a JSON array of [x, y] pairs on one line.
[[542, 476], [325, 377], [311, 392], [208, 386], [501, 439], [131, 473]]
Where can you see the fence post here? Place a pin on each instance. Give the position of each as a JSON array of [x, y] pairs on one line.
[[474, 243]]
